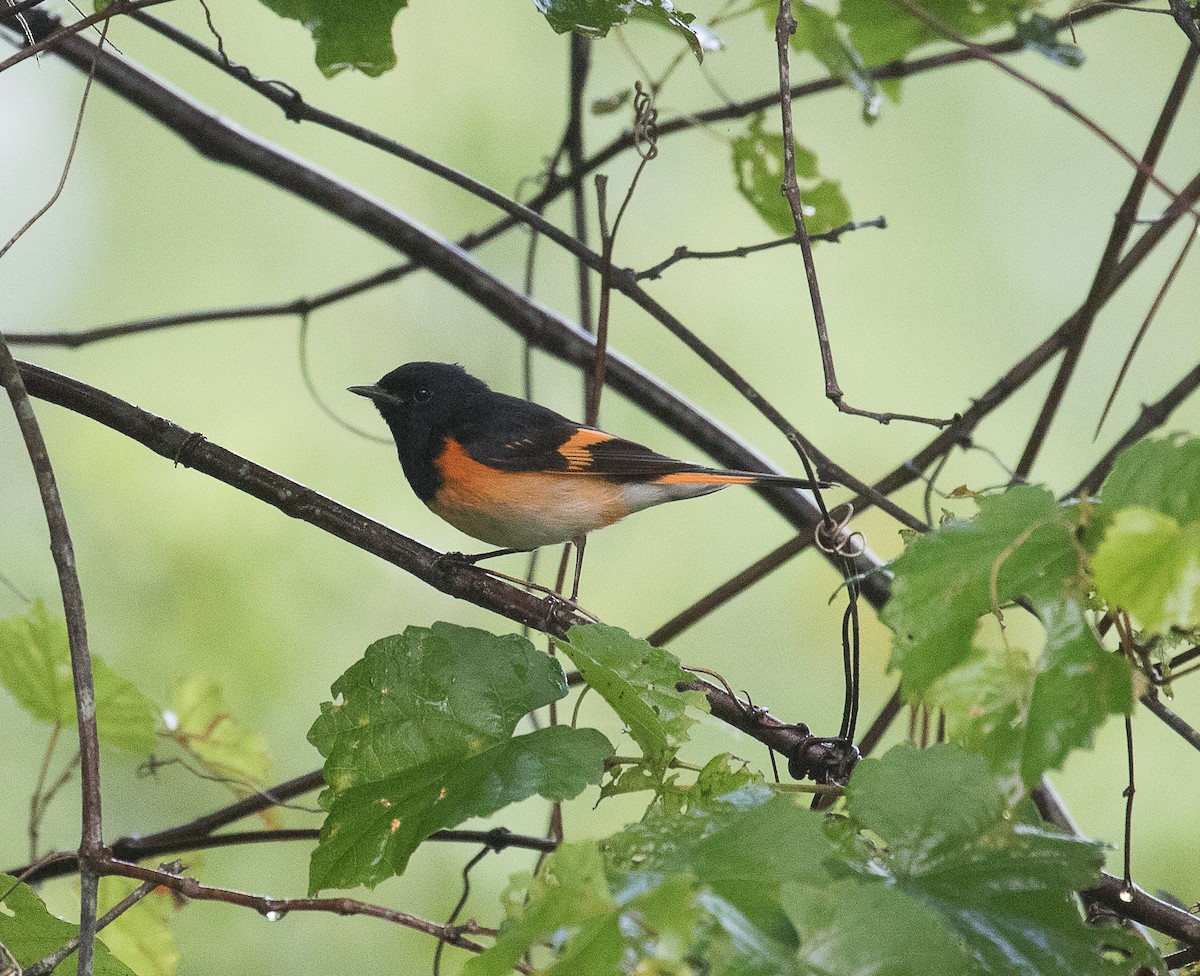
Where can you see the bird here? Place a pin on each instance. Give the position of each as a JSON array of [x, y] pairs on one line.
[[517, 475]]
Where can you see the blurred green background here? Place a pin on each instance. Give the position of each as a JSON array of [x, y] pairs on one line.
[[997, 205]]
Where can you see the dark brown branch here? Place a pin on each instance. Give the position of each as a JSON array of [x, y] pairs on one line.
[[173, 841], [63, 554], [1142, 907], [1122, 227], [217, 139], [277, 908], [193, 450]]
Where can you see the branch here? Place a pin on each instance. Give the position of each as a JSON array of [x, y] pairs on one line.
[[1152, 417], [192, 450], [276, 908], [218, 139], [63, 553], [1122, 227]]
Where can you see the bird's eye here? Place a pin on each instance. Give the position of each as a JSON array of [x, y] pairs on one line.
[[422, 395]]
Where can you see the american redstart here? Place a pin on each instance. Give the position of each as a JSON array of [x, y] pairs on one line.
[[517, 475]]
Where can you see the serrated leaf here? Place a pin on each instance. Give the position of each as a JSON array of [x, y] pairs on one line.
[[1079, 686], [595, 18], [30, 933], [347, 35], [372, 829], [731, 842], [1149, 564], [986, 702], [638, 681], [35, 666], [422, 739], [206, 727], [1026, 719], [1004, 891], [429, 692], [570, 889], [1162, 474], [883, 31], [943, 582], [904, 937], [1040, 33], [141, 937], [594, 927], [905, 799]]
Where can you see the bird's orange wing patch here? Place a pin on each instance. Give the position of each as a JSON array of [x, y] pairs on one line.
[[577, 448]]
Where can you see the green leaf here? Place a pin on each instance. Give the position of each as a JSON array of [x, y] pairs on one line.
[[883, 31], [569, 891], [1149, 564], [943, 582], [904, 937], [905, 798], [638, 681], [30, 932], [1003, 891], [595, 18], [205, 727], [758, 165], [422, 739], [730, 840], [372, 829], [817, 32], [1079, 686], [347, 35], [1025, 720], [594, 926], [141, 937], [35, 666], [1040, 33], [1162, 474]]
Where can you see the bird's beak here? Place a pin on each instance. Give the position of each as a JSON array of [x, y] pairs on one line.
[[373, 393]]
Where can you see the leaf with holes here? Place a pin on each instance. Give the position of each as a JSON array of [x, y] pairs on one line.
[[422, 739], [758, 166], [595, 18]]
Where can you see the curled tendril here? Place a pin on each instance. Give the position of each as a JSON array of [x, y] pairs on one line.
[[645, 123], [748, 708], [831, 537]]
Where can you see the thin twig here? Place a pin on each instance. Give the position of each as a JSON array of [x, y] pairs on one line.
[[66, 170], [46, 966], [687, 254], [1103, 282], [1152, 417], [1145, 326], [114, 9], [277, 908]]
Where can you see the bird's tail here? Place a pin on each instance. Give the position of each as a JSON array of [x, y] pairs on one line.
[[717, 477]]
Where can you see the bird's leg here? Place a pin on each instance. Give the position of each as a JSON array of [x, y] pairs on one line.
[[579, 541]]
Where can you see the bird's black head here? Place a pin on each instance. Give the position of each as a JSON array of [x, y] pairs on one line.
[[422, 404]]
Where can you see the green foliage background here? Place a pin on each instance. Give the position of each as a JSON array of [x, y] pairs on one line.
[[997, 206]]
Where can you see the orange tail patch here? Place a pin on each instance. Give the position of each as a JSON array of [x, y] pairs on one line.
[[704, 478]]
